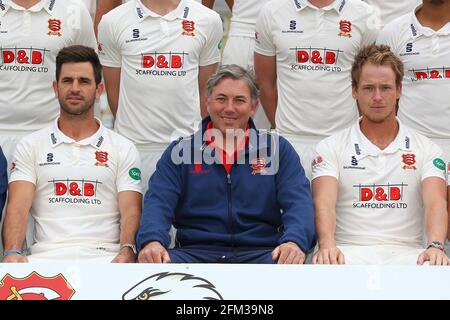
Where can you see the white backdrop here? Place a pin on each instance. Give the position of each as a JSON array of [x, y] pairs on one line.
[[236, 282]]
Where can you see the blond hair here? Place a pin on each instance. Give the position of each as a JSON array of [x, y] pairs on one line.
[[378, 55]]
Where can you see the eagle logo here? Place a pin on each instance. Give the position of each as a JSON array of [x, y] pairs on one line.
[[173, 286]]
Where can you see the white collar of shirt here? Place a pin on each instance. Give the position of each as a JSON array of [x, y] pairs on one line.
[[363, 147], [180, 12], [337, 5], [48, 5], [418, 30], [57, 136]]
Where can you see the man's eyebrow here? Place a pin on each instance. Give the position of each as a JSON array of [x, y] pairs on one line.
[[80, 78]]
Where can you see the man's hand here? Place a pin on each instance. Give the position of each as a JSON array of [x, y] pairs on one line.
[[153, 252], [15, 258], [329, 255], [125, 255], [288, 253], [434, 256]]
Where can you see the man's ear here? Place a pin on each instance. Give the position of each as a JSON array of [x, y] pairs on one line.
[[354, 92], [99, 90], [254, 108], [399, 90], [55, 87]]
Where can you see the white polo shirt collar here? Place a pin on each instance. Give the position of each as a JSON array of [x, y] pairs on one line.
[[180, 12], [57, 137], [47, 5], [363, 147], [337, 5], [418, 30]]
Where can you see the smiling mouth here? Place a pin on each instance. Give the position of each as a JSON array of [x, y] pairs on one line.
[[228, 119]]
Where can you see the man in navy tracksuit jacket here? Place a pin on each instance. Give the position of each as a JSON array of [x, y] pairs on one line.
[[249, 204], [3, 181]]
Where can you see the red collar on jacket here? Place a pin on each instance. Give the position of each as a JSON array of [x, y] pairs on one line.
[[226, 159]]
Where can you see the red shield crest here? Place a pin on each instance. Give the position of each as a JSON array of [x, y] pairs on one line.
[[102, 158], [409, 160], [345, 28], [258, 166], [188, 27], [35, 287], [54, 25]]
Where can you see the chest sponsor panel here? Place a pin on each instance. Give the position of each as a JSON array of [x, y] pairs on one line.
[[377, 183], [160, 55], [380, 196], [171, 63], [422, 63], [35, 50], [61, 183], [317, 58], [75, 191], [35, 60], [329, 50], [163, 64], [432, 72]]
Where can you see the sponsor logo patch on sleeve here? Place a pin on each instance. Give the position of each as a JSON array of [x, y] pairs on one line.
[[135, 174], [439, 163]]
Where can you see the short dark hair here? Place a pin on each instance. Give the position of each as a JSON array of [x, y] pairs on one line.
[[79, 53]]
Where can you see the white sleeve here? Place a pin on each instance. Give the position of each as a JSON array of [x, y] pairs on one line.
[[85, 33], [373, 22], [433, 162], [264, 43], [210, 53], [388, 36], [23, 166], [108, 48], [326, 162], [129, 169]]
